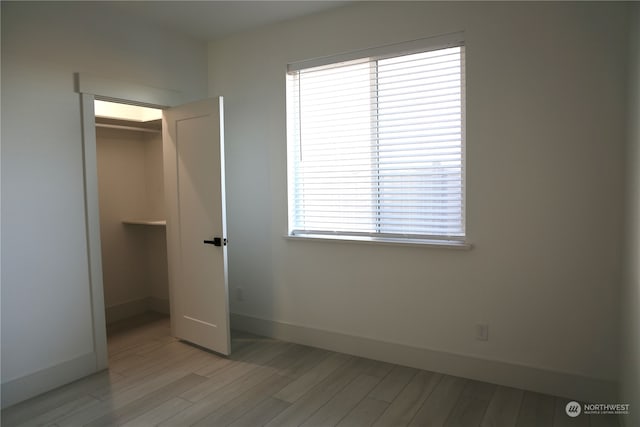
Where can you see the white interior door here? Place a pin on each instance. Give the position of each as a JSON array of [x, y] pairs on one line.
[[193, 138]]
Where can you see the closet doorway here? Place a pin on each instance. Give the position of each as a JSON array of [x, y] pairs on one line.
[[192, 151], [132, 213]]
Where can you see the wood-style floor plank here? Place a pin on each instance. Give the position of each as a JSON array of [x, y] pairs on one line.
[[537, 410], [158, 380], [304, 363], [154, 361], [160, 413], [128, 333], [244, 403], [311, 378], [218, 398], [343, 402], [436, 409], [404, 407], [169, 369], [393, 383], [25, 411], [80, 404], [504, 408], [148, 402], [264, 412], [319, 395], [365, 413], [236, 370], [472, 405]]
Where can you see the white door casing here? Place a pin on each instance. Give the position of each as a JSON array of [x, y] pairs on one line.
[[193, 145], [91, 87]]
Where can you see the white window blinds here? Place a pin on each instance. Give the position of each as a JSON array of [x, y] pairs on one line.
[[376, 147]]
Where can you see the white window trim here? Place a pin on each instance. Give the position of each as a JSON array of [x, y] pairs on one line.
[[405, 48], [463, 245], [391, 50]]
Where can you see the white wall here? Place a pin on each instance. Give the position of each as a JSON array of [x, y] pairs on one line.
[[46, 319], [130, 184], [630, 296], [123, 194], [156, 237], [545, 141]]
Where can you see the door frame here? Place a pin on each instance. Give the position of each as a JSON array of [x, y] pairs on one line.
[[90, 88]]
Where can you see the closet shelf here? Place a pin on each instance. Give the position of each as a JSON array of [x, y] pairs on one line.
[[136, 128], [158, 222]]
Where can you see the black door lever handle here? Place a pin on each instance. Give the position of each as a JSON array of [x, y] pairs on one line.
[[217, 241]]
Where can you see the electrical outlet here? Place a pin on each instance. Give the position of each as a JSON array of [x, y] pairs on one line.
[[239, 294], [482, 332]]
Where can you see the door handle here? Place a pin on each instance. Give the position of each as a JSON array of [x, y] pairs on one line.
[[217, 241]]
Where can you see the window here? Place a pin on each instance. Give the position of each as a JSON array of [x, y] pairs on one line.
[[376, 144]]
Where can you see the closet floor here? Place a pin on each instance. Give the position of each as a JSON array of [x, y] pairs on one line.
[[154, 379]]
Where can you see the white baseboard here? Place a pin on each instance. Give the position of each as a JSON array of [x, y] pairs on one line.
[[508, 374], [31, 385], [159, 305], [128, 309]]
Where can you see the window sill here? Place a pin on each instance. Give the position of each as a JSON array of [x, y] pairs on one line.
[[444, 244]]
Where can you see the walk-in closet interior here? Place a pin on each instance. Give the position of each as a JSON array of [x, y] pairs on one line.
[[132, 212]]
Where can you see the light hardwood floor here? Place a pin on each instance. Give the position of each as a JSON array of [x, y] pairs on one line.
[[156, 380]]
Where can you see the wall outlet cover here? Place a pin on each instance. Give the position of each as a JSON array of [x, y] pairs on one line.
[[482, 331]]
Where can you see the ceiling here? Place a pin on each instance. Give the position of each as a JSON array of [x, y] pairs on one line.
[[208, 20]]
